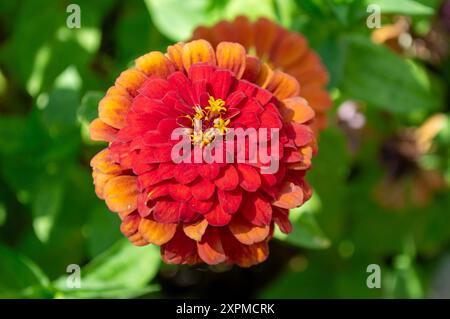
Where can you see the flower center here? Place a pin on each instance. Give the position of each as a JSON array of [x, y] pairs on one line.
[[207, 123], [215, 107]]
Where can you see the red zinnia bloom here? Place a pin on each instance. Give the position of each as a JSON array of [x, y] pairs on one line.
[[283, 50], [201, 212]]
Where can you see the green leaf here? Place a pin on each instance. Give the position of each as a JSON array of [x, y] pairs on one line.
[[19, 276], [61, 108], [122, 271], [98, 232], [251, 8], [177, 19], [407, 7], [12, 130], [313, 8], [376, 75], [87, 112], [305, 230], [285, 9], [316, 275], [88, 109], [45, 205], [403, 281], [329, 178], [3, 214], [135, 34], [122, 293]]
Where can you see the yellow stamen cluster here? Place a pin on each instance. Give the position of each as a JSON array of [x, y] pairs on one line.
[[215, 107], [221, 125], [199, 114], [213, 110], [197, 137]]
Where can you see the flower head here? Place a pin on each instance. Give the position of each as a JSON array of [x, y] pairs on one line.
[[282, 50], [201, 212]]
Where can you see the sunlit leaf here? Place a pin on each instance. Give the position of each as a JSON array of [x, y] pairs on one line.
[[305, 230], [101, 230], [403, 281], [177, 19], [381, 78], [88, 109], [124, 269], [46, 204], [408, 7]]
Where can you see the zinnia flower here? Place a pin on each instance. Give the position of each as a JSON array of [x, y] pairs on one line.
[[200, 212], [283, 50]]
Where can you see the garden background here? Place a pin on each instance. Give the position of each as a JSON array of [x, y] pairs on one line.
[[380, 178]]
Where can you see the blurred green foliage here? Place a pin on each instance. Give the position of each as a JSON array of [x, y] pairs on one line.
[[52, 77]]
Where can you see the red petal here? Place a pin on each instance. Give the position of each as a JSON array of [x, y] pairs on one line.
[[244, 255], [196, 230], [187, 214], [247, 233], [249, 89], [302, 134], [163, 172], [154, 88], [246, 119], [201, 71], [200, 206], [139, 165], [270, 119], [121, 193], [290, 196], [228, 178], [263, 96], [252, 106], [100, 131], [282, 220], [185, 173], [167, 126], [130, 224], [203, 189], [256, 209], [217, 216], [249, 177], [230, 200], [292, 156], [221, 82], [183, 86], [209, 171], [234, 99], [150, 195], [156, 154], [155, 139], [179, 249], [210, 247], [166, 211], [156, 233], [179, 192], [143, 104]]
